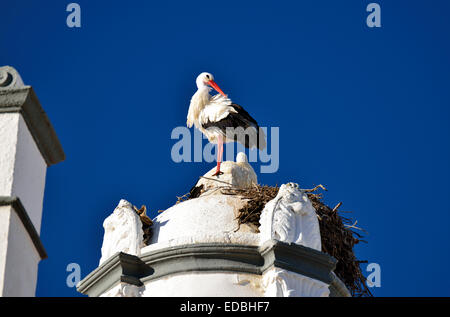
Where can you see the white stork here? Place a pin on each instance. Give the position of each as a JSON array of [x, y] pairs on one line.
[[215, 115]]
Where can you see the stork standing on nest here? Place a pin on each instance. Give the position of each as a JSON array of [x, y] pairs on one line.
[[215, 115]]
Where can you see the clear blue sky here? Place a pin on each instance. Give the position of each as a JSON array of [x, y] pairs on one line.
[[363, 111]]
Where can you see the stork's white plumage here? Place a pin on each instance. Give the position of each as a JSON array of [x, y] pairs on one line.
[[221, 120]]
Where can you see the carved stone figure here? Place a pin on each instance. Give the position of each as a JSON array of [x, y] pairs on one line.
[[290, 217], [123, 232]]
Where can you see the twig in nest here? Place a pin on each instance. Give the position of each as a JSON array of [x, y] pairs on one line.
[[142, 212], [315, 188], [182, 198], [337, 206], [353, 226], [216, 180]]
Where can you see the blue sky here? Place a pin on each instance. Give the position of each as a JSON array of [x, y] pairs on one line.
[[363, 111]]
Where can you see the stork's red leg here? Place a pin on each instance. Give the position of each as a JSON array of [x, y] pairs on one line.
[[219, 155]]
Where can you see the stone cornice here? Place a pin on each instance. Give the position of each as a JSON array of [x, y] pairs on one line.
[[121, 267], [16, 204], [24, 101], [208, 257], [299, 259]]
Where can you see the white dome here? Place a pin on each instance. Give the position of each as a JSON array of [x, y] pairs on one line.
[[209, 218]]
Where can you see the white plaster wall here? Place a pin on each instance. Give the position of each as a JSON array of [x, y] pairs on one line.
[[22, 167], [205, 285], [19, 276], [29, 175], [4, 229], [275, 282], [9, 125]]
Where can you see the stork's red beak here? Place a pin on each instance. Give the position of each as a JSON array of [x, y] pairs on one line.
[[213, 84]]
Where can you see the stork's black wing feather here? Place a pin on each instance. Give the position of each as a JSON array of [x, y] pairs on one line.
[[240, 118], [244, 114]]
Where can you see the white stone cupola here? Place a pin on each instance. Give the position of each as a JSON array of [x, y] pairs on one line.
[[198, 247]]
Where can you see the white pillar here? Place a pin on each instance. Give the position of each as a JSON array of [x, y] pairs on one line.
[[28, 144]]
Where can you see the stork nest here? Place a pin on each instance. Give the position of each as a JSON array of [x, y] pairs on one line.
[[338, 233]]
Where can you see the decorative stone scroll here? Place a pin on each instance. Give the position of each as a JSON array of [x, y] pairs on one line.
[[124, 290], [278, 282], [10, 78]]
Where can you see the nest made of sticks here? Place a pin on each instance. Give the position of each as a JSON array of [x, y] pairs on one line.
[[256, 199], [338, 233]]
